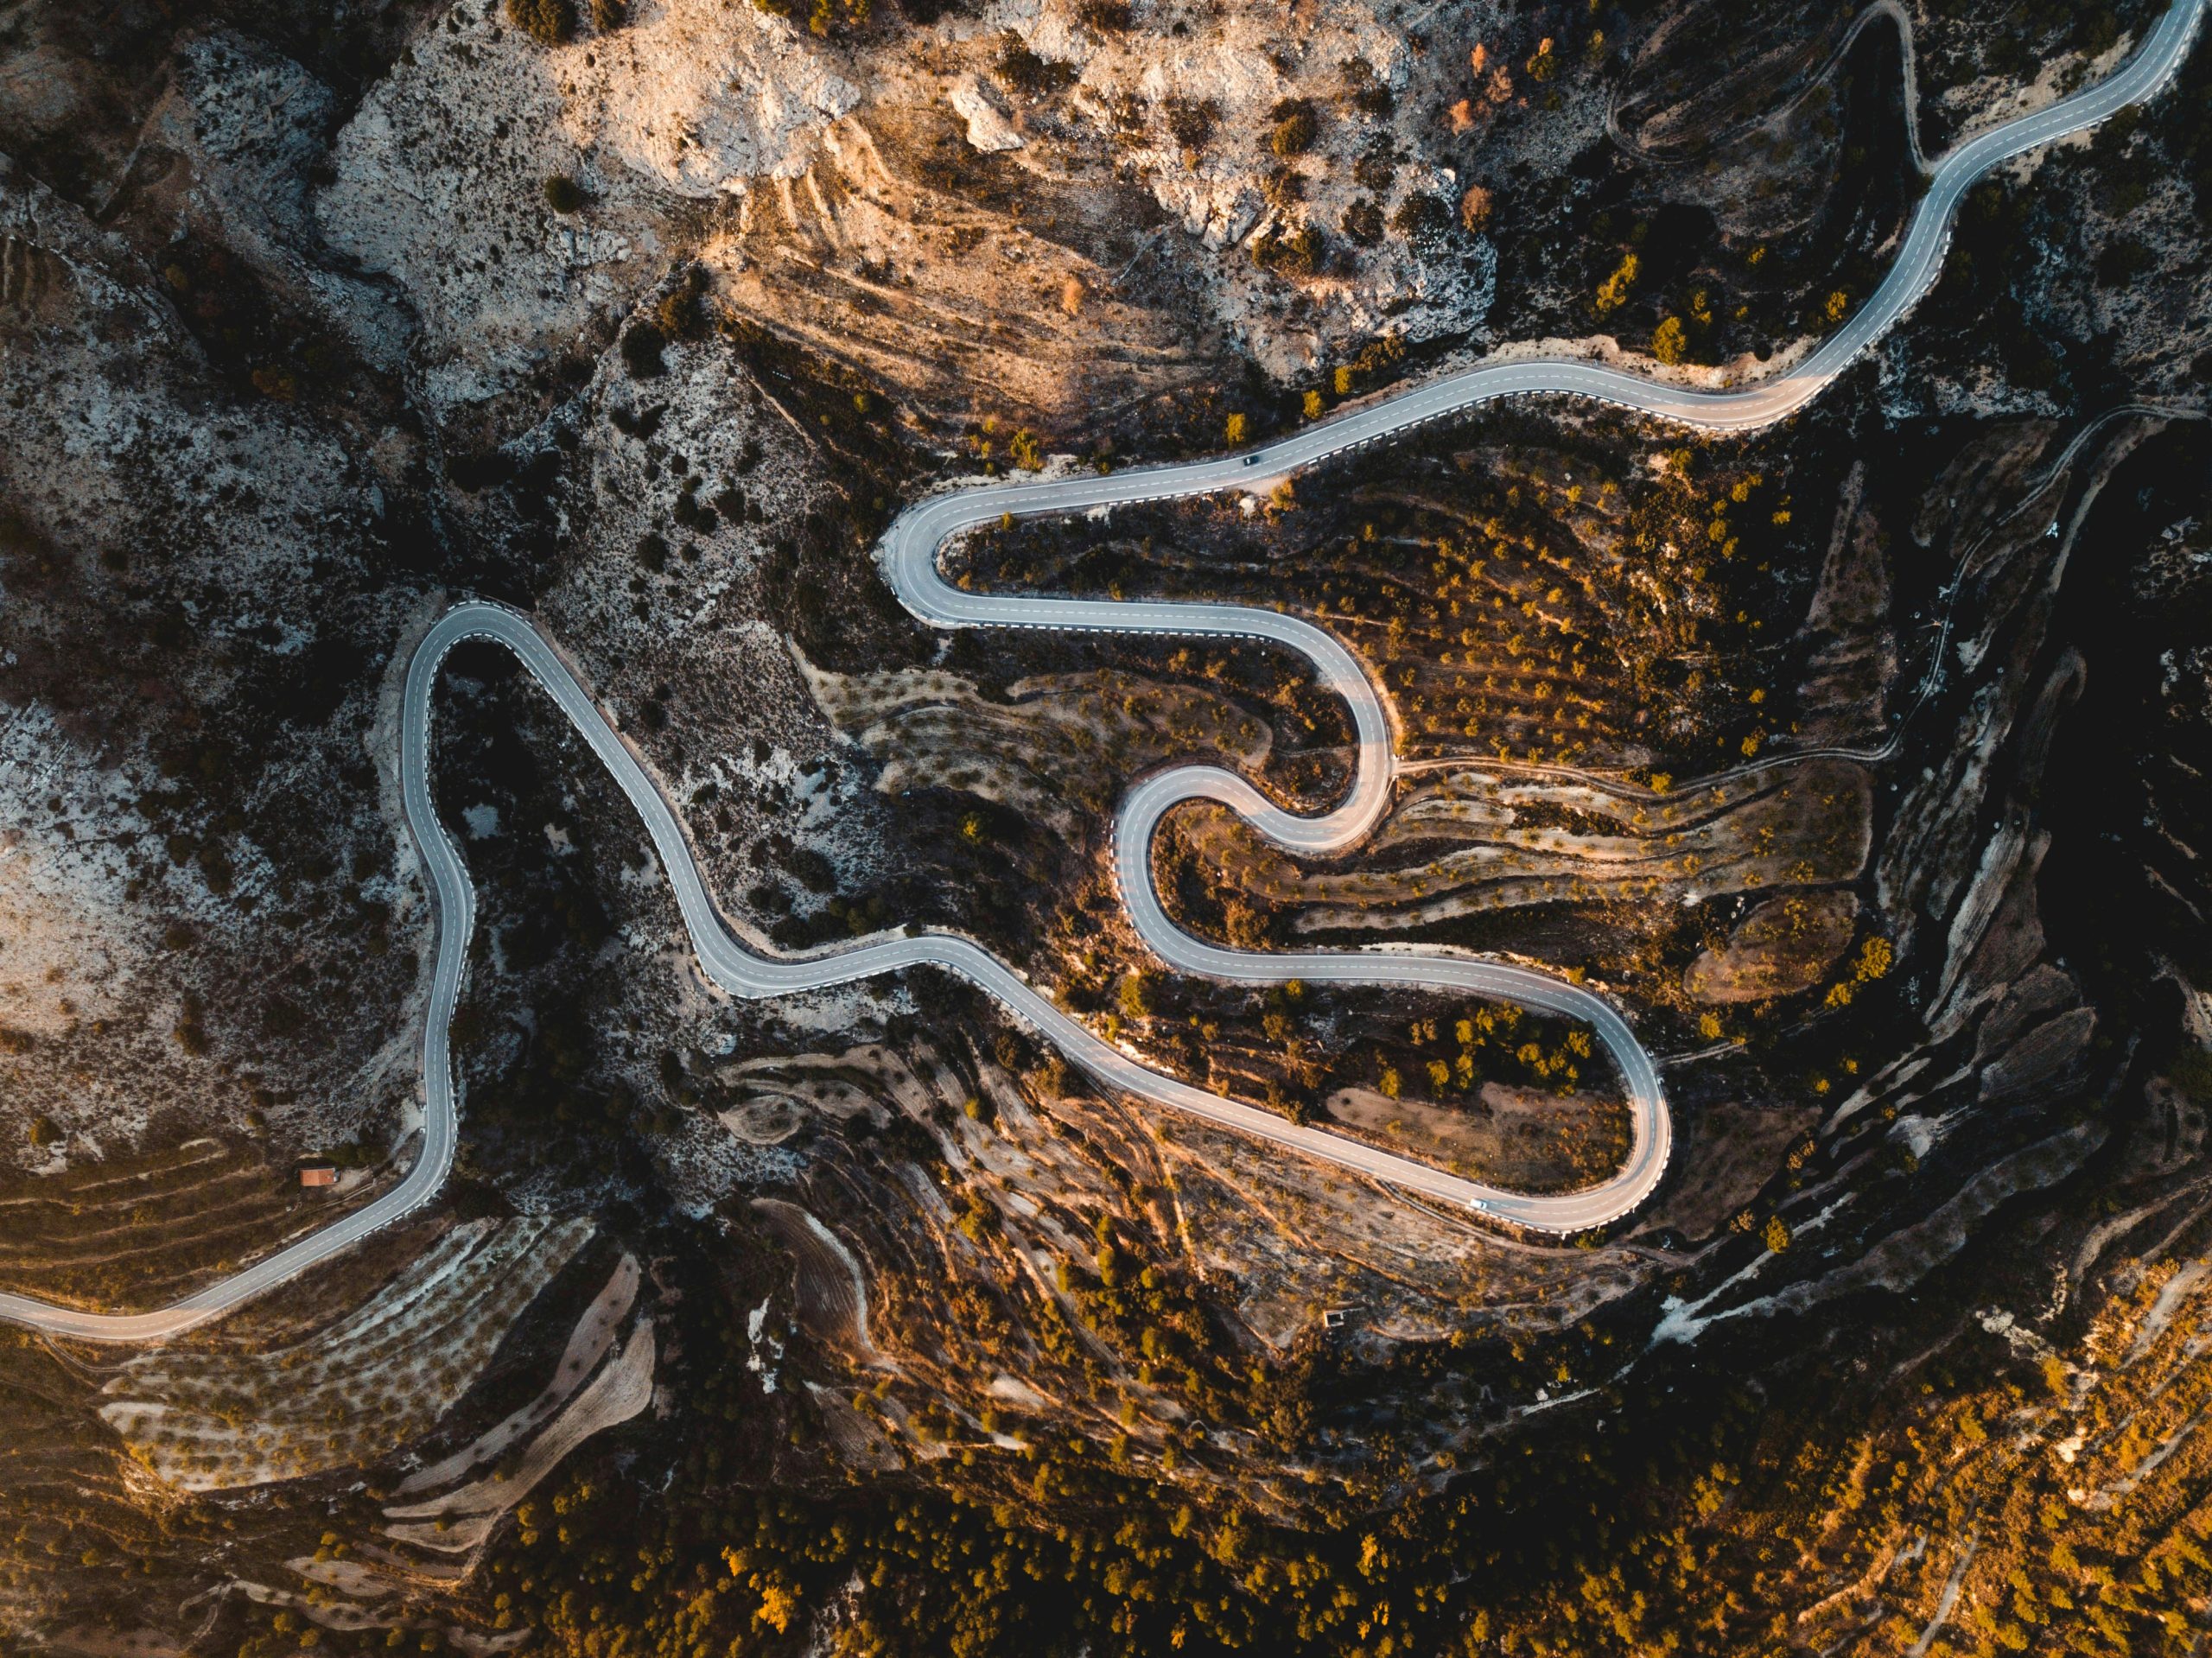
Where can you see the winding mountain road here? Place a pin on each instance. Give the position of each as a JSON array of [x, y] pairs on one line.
[[909, 553], [1707, 145]]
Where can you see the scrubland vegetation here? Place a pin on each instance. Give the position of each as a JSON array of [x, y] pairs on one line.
[[1537, 605], [353, 1392], [2019, 1493], [1906, 1358]]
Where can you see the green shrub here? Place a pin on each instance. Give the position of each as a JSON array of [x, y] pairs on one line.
[[1376, 168], [1136, 994], [1294, 129], [547, 21], [1422, 218], [1296, 252], [2122, 261], [562, 193], [819, 15], [980, 1219], [1191, 121], [1023, 71], [641, 348], [682, 312]]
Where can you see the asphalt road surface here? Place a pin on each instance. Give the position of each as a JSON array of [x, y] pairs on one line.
[[909, 553]]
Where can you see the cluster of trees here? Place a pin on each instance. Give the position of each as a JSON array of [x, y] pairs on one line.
[[1490, 643], [1488, 1044], [1539, 613], [1149, 1308], [1673, 1514], [1024, 448], [1875, 956], [119, 1231], [1703, 530], [1372, 364], [1370, 94], [2015, 41]]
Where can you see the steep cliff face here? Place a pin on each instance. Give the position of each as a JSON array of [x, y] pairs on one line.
[[1861, 761]]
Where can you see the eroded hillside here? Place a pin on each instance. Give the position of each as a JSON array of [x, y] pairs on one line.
[[1859, 761]]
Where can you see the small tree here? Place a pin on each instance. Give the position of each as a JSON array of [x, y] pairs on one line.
[[1235, 430], [1421, 217], [1668, 343], [1135, 995], [1612, 293]]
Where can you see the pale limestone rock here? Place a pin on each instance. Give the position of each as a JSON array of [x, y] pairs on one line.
[[988, 130]]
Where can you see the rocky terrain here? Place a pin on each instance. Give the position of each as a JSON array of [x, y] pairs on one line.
[[1860, 761]]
